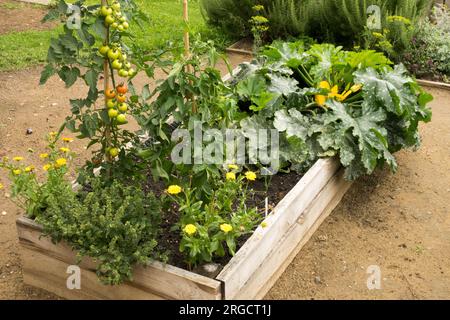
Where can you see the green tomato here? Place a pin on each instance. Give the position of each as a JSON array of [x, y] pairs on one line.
[[131, 72], [123, 56], [125, 25], [105, 11], [113, 54], [121, 119], [116, 64], [112, 113], [103, 50], [120, 28], [109, 20], [114, 25], [116, 6], [110, 104], [123, 19], [127, 65], [123, 107], [123, 73]]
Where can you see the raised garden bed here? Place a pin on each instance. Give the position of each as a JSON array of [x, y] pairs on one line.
[[248, 275]]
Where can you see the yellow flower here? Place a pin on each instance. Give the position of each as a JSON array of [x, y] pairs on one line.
[[1, 186], [18, 159], [60, 162], [250, 175], [53, 134], [225, 227], [319, 98], [190, 229], [233, 167], [47, 167], [230, 176], [64, 149], [29, 168], [263, 224], [68, 140], [17, 172], [43, 155], [174, 189]]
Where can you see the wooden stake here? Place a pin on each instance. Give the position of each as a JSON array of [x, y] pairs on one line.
[[106, 87], [187, 49]]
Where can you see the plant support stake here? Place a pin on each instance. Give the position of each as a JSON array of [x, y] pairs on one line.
[[187, 50]]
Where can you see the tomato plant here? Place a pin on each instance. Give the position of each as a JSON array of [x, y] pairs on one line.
[[92, 48]]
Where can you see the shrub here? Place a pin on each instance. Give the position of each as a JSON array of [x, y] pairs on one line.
[[342, 21], [115, 225], [429, 52]]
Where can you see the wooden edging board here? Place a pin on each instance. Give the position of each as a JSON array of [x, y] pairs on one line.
[[434, 84]]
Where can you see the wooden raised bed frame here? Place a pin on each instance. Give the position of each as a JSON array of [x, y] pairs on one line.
[[248, 275]]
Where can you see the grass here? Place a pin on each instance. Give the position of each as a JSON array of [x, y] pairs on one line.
[[19, 50]]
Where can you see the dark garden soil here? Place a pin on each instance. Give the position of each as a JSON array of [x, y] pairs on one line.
[[20, 16]]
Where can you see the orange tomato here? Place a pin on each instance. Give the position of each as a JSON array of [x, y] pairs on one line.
[[122, 88], [121, 98], [110, 93]]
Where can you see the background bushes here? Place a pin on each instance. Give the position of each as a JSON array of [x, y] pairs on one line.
[[340, 21]]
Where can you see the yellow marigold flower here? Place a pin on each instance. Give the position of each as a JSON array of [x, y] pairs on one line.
[[29, 169], [230, 176], [174, 189], [47, 167], [250, 175], [18, 159], [233, 167], [43, 155], [53, 134], [190, 229], [258, 7], [68, 140], [263, 224], [60, 162], [225, 227], [17, 172], [1, 186], [64, 149]]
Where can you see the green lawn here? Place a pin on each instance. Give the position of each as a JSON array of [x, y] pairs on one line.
[[22, 49]]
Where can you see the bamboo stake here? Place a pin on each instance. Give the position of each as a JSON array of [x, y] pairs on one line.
[[106, 87], [187, 49]]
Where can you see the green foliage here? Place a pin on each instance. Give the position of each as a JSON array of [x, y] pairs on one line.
[[339, 21], [429, 50], [323, 111], [115, 225], [192, 96]]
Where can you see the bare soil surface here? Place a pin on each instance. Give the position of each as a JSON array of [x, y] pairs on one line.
[[21, 16]]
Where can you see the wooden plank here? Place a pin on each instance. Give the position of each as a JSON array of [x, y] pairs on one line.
[[265, 276], [259, 246], [156, 279], [434, 84]]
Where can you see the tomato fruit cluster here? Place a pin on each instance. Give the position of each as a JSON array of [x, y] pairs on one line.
[[116, 104], [114, 19]]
